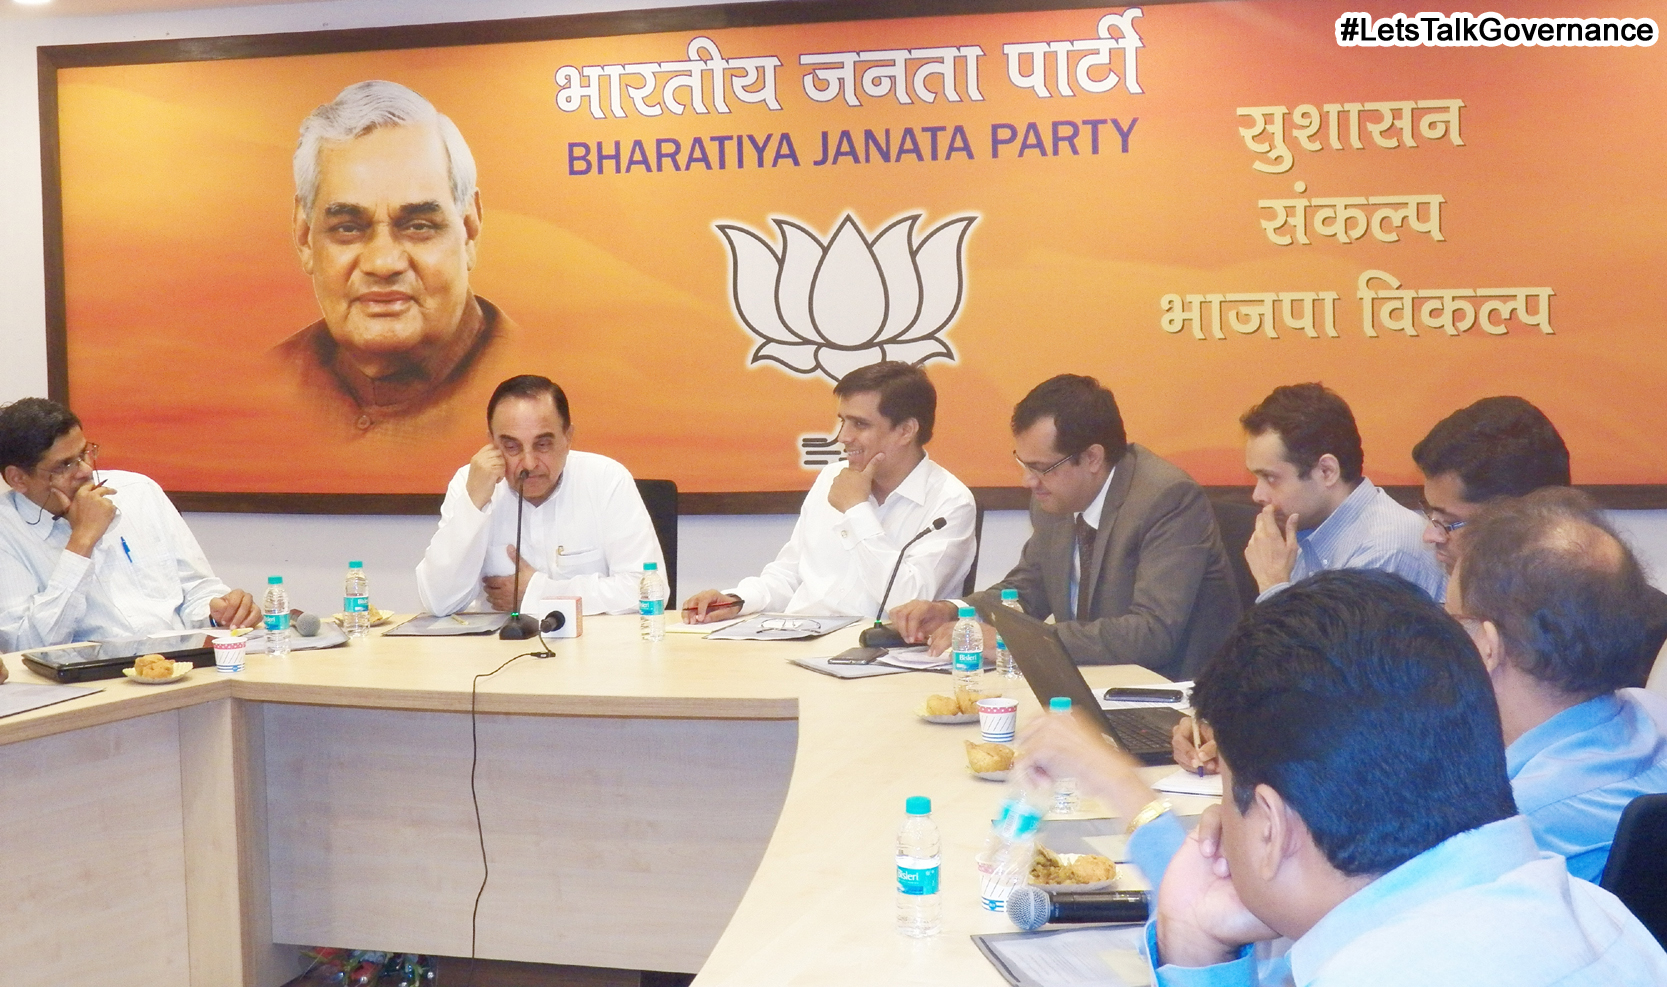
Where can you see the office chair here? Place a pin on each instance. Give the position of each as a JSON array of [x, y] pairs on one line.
[[660, 497], [971, 583], [1637, 869], [1236, 519]]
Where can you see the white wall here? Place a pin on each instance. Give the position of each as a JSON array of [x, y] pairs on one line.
[[312, 551]]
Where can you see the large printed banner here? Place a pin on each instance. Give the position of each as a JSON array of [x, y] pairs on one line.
[[698, 232]]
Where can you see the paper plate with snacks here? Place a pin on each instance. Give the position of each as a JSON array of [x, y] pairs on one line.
[[157, 670], [1071, 871], [990, 762], [959, 708]]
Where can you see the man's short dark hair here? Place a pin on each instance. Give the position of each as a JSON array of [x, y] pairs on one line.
[[530, 386], [28, 427], [1083, 413], [1497, 447], [1569, 598], [905, 392], [1311, 420], [1367, 708]]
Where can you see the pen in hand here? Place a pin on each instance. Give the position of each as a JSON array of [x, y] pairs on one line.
[[1198, 747]]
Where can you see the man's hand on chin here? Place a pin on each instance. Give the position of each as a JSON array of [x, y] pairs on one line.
[[1201, 921]]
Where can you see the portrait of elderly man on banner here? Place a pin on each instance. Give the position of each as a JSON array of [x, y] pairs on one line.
[[387, 225]]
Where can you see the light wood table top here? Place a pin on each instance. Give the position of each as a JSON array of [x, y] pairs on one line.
[[821, 907]]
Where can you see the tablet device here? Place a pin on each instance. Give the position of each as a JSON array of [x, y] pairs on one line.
[[106, 659]]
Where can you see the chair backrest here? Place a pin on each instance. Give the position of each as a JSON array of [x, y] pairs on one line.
[[1657, 682], [660, 497], [1637, 869], [1236, 520], [971, 584]]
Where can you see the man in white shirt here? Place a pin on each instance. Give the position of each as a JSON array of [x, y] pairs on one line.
[[86, 556], [585, 531], [858, 516]]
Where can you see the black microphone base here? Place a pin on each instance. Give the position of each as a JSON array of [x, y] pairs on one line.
[[520, 627], [881, 636]]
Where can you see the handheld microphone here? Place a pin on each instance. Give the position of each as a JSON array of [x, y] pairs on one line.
[[305, 624], [519, 627], [1030, 907], [880, 635]]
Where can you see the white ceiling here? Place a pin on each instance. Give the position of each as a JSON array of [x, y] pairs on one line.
[[87, 8]]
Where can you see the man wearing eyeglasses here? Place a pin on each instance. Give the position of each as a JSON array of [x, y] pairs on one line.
[[88, 556], [1124, 553]]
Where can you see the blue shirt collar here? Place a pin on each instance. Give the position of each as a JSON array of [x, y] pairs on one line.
[[1576, 719], [1323, 538], [1478, 856]]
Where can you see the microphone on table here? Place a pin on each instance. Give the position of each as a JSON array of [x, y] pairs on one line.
[[1030, 907], [883, 635], [519, 627], [305, 624]]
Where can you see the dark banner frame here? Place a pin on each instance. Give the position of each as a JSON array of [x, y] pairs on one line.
[[49, 59]]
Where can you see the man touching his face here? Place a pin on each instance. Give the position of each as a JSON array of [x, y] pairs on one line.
[[585, 531]]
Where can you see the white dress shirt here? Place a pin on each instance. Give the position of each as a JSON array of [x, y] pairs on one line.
[[147, 575], [590, 539], [1091, 514], [838, 563]]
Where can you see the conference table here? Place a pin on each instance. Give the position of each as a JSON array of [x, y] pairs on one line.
[[683, 805]]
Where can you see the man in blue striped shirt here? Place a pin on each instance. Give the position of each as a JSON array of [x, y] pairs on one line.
[[1319, 511]]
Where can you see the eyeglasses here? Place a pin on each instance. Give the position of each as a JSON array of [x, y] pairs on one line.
[[88, 455], [1447, 527], [1033, 471]]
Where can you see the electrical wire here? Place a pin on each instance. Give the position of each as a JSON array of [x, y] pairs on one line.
[[474, 796]]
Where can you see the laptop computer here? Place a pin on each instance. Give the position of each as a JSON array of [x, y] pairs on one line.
[[106, 659], [1143, 733]]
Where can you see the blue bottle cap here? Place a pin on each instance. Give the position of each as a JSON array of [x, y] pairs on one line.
[[355, 565], [1010, 594], [918, 805], [967, 612], [274, 580], [651, 566], [1059, 704]]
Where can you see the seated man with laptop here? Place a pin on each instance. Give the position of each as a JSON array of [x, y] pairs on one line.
[[1367, 819], [88, 556], [1124, 554]]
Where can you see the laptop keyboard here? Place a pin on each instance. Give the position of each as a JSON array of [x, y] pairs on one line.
[[1145, 731]]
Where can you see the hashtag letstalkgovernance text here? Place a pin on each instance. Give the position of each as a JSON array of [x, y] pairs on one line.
[[1466, 30]]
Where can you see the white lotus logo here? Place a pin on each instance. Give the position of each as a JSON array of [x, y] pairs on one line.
[[832, 307]]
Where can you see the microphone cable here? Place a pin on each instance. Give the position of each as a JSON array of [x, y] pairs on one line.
[[474, 796]]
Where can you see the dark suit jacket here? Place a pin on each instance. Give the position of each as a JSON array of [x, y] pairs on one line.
[[1160, 590]]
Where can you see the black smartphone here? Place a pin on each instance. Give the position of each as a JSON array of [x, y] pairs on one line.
[[1143, 694], [857, 656]]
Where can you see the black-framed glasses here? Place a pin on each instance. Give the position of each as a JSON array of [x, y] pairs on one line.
[[88, 455], [1447, 527], [1033, 471]]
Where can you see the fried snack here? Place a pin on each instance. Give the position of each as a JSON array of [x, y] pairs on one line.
[[1088, 868], [153, 667], [966, 700], [985, 758], [942, 706]]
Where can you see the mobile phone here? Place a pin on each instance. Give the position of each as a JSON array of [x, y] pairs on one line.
[[1143, 694], [857, 656]]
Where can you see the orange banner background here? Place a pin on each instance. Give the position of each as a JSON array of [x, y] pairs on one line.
[[180, 273]]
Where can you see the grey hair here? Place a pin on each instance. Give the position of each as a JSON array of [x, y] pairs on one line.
[[366, 106]]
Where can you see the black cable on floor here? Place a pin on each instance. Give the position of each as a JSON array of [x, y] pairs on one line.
[[480, 833]]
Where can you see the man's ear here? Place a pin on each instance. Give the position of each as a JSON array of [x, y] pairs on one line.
[[1329, 470], [471, 229], [1277, 833], [910, 428], [14, 478], [301, 234], [1093, 457], [1490, 645]]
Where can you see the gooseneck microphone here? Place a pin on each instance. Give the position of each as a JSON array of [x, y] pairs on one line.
[[518, 627], [1030, 907], [881, 635]]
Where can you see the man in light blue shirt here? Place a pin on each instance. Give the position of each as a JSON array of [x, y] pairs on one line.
[[1319, 511], [1558, 608], [1367, 817]]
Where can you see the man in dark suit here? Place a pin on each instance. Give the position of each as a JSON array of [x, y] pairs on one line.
[[1124, 552]]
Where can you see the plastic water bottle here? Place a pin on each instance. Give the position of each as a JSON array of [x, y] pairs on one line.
[[1006, 668], [919, 910], [1004, 863], [356, 603], [1064, 789], [275, 608], [651, 603], [967, 643]]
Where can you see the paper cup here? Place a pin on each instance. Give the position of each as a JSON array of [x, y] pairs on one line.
[[228, 653], [994, 886], [998, 719]]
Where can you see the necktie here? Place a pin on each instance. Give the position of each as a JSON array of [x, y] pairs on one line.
[[1085, 559]]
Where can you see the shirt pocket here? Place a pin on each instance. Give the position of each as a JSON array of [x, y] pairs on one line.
[[158, 579], [581, 561]]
